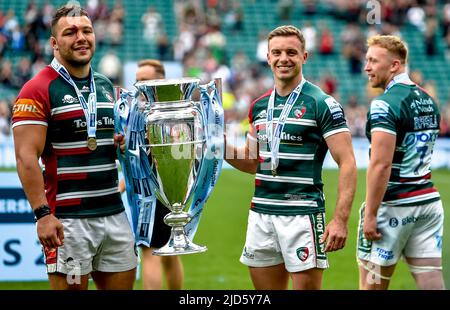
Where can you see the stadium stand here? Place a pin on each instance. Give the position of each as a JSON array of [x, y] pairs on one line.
[[221, 38]]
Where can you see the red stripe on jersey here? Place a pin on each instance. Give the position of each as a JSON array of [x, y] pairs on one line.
[[74, 151], [250, 112], [68, 202], [417, 193], [252, 205], [68, 115], [50, 255], [423, 89], [425, 177], [260, 127], [72, 176], [51, 185], [37, 90], [258, 182]]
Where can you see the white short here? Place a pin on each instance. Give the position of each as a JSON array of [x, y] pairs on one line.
[[103, 244], [414, 232], [292, 240]]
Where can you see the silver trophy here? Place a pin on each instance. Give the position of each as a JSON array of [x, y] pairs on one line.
[[175, 144]]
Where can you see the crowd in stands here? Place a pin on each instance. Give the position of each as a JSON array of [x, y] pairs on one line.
[[200, 45]]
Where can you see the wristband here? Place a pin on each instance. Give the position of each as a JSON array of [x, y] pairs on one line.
[[41, 211]]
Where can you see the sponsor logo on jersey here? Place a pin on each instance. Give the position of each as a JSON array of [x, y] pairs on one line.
[[68, 99], [248, 254], [385, 254], [24, 108], [413, 219], [422, 105], [412, 138], [425, 122], [393, 222], [336, 111], [303, 253], [284, 136], [104, 121], [85, 89], [378, 109], [333, 105], [262, 114], [319, 230]]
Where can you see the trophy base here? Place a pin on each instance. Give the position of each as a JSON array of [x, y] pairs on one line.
[[190, 248], [179, 244]]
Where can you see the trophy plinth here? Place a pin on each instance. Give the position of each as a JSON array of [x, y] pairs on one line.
[[178, 242]]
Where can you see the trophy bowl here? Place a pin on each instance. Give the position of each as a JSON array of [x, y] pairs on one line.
[[175, 146]]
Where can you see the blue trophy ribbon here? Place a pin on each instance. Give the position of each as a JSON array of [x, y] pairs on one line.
[[140, 181], [141, 197], [211, 106]]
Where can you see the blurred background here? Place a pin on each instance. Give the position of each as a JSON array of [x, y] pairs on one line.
[[227, 39]]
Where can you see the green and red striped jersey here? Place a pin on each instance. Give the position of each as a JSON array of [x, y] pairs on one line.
[[410, 114], [79, 183], [297, 189]]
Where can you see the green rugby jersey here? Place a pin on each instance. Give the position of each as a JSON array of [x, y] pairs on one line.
[[297, 189], [410, 114], [79, 183]]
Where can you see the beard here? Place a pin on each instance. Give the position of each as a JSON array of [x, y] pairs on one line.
[[79, 62]]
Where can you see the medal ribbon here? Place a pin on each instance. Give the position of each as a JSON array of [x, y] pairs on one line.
[[90, 107], [274, 137]]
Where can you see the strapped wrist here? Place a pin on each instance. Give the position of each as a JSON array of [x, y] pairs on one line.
[[41, 211]]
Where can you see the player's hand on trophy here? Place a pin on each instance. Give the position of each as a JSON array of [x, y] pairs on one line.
[[50, 231], [119, 141]]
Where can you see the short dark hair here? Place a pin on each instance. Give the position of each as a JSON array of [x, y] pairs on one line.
[[68, 10], [159, 67]]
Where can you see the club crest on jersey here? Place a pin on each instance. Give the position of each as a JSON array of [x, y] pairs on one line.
[[299, 112], [303, 253], [107, 94]]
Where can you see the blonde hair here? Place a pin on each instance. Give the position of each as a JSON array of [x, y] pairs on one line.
[[159, 67], [286, 31], [393, 44]]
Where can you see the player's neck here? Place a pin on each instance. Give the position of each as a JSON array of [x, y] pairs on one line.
[[79, 71], [392, 76], [284, 87]]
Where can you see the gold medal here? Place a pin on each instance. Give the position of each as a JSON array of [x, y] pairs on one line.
[[92, 144]]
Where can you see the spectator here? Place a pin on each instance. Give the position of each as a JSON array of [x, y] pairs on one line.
[[262, 49], [285, 8], [430, 37], [326, 45], [310, 34], [111, 66], [5, 116], [153, 24]]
